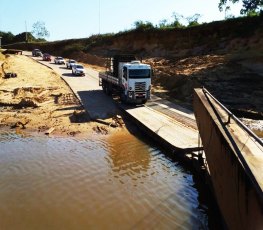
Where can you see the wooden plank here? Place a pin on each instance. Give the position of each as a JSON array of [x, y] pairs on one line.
[[49, 131]]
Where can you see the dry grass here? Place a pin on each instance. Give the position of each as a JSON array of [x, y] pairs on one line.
[[2, 57]]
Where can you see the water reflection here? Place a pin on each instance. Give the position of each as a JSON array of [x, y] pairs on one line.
[[127, 155]]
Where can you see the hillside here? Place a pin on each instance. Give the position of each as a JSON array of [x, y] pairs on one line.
[[226, 57]]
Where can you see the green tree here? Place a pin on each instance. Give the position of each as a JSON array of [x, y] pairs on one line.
[[140, 25], [176, 22], [193, 20], [7, 37], [163, 24], [40, 30], [248, 5]]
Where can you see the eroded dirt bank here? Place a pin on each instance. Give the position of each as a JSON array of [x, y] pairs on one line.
[[37, 99], [235, 80]]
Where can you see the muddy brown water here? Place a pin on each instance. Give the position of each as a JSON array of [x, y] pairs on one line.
[[115, 182]]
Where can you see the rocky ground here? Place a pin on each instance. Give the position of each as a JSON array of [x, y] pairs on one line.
[[37, 99]]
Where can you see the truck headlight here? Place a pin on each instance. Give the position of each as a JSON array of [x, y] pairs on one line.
[[130, 94]]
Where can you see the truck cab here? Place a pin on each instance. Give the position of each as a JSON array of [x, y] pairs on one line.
[[127, 77], [136, 81]]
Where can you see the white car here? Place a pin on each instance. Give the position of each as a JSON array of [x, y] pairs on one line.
[[78, 70], [59, 60], [70, 63]]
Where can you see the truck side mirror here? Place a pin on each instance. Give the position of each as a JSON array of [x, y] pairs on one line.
[[152, 73]]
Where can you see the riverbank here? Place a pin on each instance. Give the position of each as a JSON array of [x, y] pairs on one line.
[[38, 100]]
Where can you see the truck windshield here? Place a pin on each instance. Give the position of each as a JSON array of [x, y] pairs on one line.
[[139, 73]]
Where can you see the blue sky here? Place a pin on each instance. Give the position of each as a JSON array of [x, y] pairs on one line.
[[67, 19]]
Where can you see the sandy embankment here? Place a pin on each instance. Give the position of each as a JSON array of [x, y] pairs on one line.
[[38, 99]]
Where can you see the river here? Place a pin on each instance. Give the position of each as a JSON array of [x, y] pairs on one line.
[[103, 182]]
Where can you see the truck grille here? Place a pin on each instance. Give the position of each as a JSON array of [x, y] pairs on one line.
[[140, 86]]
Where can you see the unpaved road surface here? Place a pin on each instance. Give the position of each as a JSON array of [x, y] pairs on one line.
[[170, 122], [87, 89], [99, 105], [39, 100]]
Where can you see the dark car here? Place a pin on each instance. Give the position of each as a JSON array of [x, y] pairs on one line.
[[36, 53], [46, 57]]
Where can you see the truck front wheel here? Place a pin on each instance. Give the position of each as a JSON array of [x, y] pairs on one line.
[[123, 98]]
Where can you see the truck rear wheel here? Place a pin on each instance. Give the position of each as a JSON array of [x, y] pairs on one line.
[[103, 86], [108, 89]]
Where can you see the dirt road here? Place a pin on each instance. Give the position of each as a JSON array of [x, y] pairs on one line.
[[39, 100], [87, 89], [58, 107], [99, 105]]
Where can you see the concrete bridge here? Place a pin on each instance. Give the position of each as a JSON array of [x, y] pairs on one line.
[[234, 158]]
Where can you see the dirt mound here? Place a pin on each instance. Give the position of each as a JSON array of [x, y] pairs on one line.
[[235, 83], [88, 58], [38, 94], [79, 117]]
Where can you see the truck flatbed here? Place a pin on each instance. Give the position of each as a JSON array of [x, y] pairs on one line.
[[108, 77]]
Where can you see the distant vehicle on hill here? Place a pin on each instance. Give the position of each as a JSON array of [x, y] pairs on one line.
[[70, 63], [46, 57], [59, 60], [36, 53], [78, 70]]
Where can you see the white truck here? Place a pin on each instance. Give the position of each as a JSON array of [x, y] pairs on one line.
[[128, 78]]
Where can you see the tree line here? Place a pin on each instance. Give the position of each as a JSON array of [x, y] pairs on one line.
[[38, 34], [250, 8], [166, 24]]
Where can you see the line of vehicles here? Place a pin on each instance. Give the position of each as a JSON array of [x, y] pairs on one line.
[[77, 69], [125, 76]]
